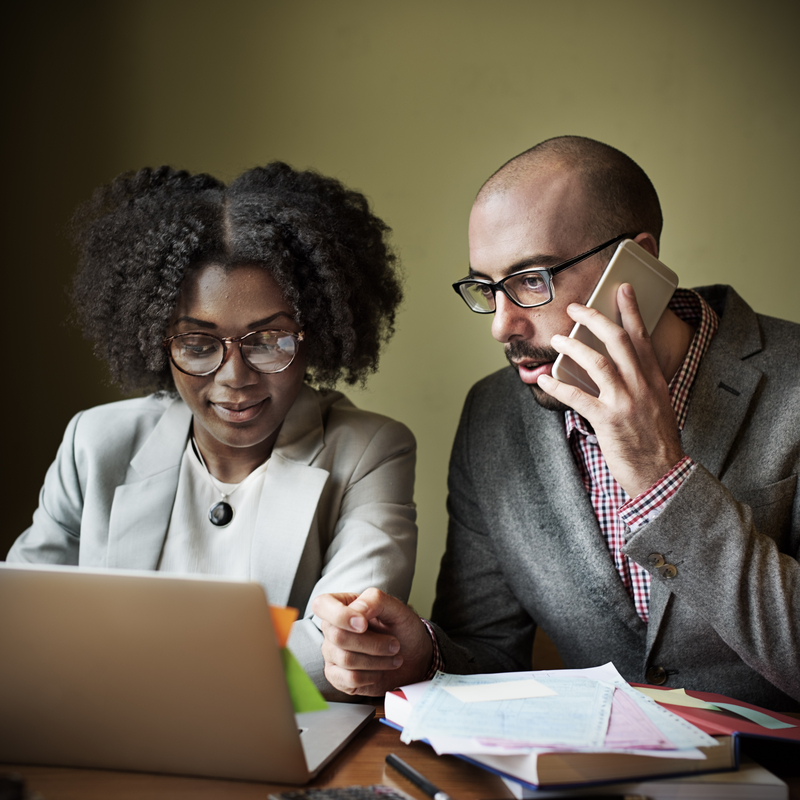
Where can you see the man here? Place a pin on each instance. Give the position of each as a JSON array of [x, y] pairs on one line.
[[656, 526]]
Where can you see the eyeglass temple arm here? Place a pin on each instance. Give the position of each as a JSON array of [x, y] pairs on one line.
[[573, 261]]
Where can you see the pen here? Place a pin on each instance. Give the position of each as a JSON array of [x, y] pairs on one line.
[[418, 780]]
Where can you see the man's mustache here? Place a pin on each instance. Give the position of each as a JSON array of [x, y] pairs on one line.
[[518, 350]]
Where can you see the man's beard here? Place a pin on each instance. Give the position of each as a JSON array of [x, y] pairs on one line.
[[519, 350]]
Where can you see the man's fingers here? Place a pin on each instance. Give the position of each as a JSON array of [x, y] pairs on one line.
[[360, 682], [569, 395], [394, 647], [360, 662], [371, 643], [630, 351], [375, 604], [335, 610], [355, 612], [634, 325], [597, 366], [594, 362], [618, 340]]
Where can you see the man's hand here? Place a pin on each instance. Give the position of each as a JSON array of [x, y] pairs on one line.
[[632, 418], [373, 642]]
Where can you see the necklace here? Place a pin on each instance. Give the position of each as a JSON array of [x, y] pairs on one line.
[[221, 512]]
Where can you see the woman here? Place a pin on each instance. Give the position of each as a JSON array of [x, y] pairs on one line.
[[229, 302]]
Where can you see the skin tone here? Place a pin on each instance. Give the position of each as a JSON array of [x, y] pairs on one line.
[[237, 412], [373, 642]]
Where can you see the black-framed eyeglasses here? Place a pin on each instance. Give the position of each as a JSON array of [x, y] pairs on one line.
[[201, 354], [527, 289]]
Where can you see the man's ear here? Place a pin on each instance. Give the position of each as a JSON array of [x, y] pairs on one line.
[[648, 242]]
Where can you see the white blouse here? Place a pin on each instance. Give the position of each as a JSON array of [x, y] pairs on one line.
[[193, 544]]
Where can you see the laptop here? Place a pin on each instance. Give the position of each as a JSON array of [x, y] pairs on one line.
[[150, 672]]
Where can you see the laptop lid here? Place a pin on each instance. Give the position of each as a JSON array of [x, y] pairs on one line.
[[152, 672]]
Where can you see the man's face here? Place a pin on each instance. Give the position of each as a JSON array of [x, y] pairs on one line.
[[539, 223]]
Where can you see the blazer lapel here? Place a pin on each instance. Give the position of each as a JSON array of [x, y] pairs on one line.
[[285, 516], [289, 500], [571, 516], [721, 396], [724, 387], [142, 505]]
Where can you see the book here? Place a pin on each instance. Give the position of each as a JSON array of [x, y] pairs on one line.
[[748, 782], [564, 768]]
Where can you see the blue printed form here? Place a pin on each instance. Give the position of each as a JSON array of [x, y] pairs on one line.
[[551, 710]]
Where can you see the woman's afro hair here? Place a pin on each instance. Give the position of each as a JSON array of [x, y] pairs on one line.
[[140, 235]]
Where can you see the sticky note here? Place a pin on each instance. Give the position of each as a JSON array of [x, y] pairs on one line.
[[305, 696], [282, 621], [675, 697], [759, 717], [678, 697]]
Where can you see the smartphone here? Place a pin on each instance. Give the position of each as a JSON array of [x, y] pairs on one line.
[[654, 285]]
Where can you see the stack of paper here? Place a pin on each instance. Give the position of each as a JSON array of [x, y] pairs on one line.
[[566, 727]]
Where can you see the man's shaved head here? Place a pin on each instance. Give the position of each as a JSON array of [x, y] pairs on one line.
[[620, 194]]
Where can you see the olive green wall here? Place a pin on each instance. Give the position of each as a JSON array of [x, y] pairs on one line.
[[414, 103]]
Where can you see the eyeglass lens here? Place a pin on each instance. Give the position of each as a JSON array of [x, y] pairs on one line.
[[528, 289], [264, 351]]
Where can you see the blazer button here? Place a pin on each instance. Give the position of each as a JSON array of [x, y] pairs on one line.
[[668, 571], [656, 675], [655, 560]]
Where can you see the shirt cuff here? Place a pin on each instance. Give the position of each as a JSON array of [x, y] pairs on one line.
[[437, 663], [648, 505]]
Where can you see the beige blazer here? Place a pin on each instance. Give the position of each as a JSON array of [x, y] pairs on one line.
[[336, 515]]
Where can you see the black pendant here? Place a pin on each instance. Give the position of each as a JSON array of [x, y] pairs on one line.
[[220, 514]]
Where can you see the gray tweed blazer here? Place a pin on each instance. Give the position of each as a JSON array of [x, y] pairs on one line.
[[524, 547]]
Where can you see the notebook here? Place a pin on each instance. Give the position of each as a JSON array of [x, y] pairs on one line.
[[156, 673]]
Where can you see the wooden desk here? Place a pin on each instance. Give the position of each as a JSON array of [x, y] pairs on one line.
[[361, 763]]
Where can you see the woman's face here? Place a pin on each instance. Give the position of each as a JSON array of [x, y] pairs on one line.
[[237, 411]]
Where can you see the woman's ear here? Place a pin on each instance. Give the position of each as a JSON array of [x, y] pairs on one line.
[[648, 242]]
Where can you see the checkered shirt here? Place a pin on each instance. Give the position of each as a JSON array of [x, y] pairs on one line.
[[614, 509]]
